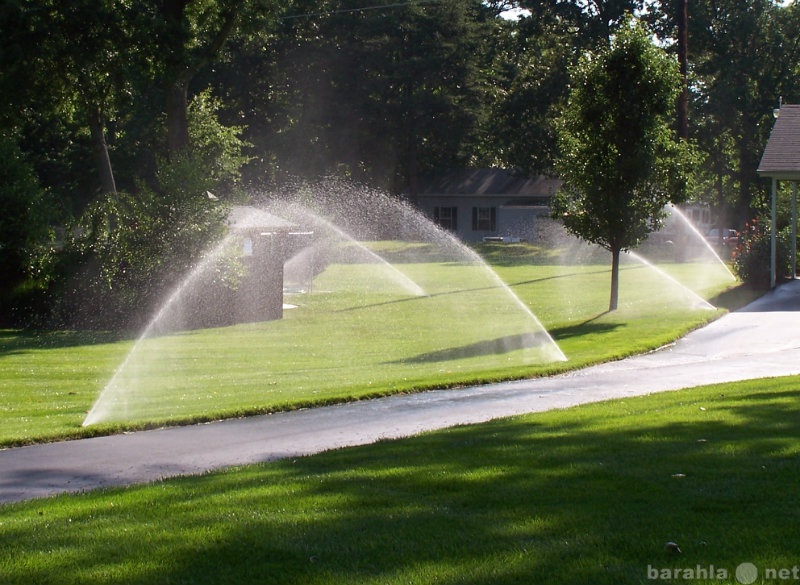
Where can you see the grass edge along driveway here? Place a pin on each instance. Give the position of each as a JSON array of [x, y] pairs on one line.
[[49, 381]]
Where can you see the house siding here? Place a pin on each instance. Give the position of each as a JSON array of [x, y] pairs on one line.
[[516, 207]]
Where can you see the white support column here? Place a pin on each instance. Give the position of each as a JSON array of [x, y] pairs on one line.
[[772, 236], [794, 230]]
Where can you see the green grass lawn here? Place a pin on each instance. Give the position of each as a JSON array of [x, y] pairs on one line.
[[589, 494], [356, 336]]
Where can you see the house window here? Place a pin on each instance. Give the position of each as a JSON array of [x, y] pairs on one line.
[[701, 216], [447, 217], [484, 219]]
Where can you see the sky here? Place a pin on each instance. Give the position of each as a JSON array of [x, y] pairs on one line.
[[515, 13]]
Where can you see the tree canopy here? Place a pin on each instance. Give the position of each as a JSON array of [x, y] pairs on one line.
[[97, 96], [619, 157]]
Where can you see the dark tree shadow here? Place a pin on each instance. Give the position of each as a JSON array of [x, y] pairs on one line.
[[495, 346], [588, 327], [17, 340], [544, 498]]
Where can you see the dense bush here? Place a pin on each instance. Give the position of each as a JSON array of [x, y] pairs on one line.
[[751, 257], [23, 226], [128, 249]]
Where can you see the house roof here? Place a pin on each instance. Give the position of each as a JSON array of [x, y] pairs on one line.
[[245, 218], [486, 182], [781, 158]]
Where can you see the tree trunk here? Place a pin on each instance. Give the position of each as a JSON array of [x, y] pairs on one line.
[[176, 82], [102, 159], [683, 60], [183, 64], [745, 171], [177, 115], [721, 220], [612, 304]]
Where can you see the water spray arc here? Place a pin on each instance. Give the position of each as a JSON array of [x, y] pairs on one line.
[[114, 397], [685, 221], [696, 300], [365, 283], [306, 215]]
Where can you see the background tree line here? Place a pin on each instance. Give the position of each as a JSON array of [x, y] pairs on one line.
[[119, 117]]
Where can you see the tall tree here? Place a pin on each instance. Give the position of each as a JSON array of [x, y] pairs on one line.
[[532, 57], [593, 19], [745, 55], [531, 79], [192, 34], [76, 60], [619, 160], [95, 57], [375, 92], [682, 25]]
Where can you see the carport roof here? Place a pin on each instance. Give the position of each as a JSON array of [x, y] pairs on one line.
[[781, 158], [486, 182], [246, 218]]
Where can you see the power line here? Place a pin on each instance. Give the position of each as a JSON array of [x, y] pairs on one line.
[[363, 9]]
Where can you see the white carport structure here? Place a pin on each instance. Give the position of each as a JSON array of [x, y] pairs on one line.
[[781, 162]]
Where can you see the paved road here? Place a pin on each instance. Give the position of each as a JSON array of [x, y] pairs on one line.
[[760, 340]]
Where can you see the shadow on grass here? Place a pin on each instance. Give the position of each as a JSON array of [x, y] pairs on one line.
[[522, 254], [586, 496], [18, 340], [564, 275], [736, 297], [450, 293], [511, 343], [588, 327], [486, 347]]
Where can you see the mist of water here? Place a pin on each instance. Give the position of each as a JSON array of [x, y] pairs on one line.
[[699, 238], [374, 259], [696, 301], [115, 399], [472, 312], [358, 251]]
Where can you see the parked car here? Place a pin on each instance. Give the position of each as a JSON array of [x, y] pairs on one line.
[[730, 237]]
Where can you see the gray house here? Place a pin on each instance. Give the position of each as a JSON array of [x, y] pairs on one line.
[[488, 204]]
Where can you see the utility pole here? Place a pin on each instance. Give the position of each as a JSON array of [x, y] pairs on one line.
[[683, 60]]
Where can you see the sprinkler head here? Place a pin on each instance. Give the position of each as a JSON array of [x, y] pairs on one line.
[[672, 548]]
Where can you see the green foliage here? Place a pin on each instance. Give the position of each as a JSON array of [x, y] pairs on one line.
[[128, 248], [216, 148], [372, 94], [619, 159], [379, 95], [215, 159], [751, 257], [23, 219], [530, 82], [738, 85], [21, 198]]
